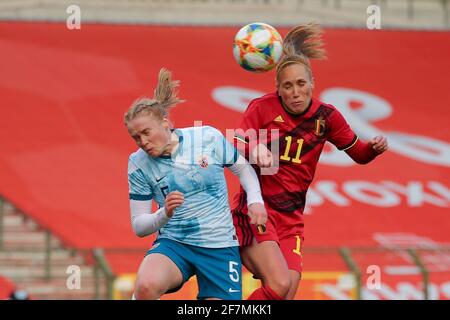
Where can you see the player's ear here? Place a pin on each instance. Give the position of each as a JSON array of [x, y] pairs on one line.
[[165, 123], [312, 83]]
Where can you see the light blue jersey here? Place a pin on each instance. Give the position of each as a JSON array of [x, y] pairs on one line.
[[196, 169]]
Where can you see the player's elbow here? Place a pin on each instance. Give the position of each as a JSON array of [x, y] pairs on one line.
[[140, 232], [360, 157], [362, 161]]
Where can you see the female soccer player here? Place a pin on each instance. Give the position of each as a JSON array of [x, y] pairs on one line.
[[182, 170], [304, 124]]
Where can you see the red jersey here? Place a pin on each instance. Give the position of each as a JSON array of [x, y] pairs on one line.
[[301, 140]]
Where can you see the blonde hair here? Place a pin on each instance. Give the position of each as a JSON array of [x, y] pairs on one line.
[[164, 98], [302, 43]]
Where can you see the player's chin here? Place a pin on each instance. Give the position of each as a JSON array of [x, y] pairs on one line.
[[153, 153], [296, 107]]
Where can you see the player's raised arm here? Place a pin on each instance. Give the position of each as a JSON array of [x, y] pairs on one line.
[[249, 181], [364, 152], [343, 137], [228, 155]]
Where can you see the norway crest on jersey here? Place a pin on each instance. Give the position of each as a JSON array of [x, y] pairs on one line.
[[319, 128], [203, 162]]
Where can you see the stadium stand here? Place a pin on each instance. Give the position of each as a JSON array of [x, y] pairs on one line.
[[410, 14]]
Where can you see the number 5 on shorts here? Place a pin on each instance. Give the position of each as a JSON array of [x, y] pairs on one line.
[[234, 273]]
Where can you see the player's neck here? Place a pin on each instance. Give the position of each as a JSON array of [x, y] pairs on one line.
[[173, 144]]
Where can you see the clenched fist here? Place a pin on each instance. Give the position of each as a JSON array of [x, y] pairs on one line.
[[261, 156], [258, 215], [379, 144], [173, 201]]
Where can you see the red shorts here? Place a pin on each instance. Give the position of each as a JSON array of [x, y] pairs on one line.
[[285, 230]]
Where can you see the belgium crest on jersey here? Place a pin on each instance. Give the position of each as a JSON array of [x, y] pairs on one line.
[[319, 129]]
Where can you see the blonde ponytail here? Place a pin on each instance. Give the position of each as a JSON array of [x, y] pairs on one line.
[[302, 43], [165, 97], [305, 40], [165, 92]]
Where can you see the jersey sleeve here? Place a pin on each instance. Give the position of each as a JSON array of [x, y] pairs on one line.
[[341, 135], [224, 152], [138, 186]]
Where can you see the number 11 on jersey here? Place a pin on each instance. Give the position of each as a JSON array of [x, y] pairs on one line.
[[286, 157]]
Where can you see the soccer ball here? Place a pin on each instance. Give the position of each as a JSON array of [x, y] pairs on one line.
[[257, 47]]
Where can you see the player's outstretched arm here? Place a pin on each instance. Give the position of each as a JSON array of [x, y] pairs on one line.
[[364, 152]]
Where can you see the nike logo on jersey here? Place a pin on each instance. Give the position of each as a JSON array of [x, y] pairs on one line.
[[233, 290], [278, 119], [158, 180]]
